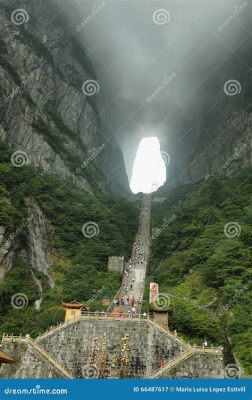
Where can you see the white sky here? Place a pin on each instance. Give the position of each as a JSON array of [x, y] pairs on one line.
[[149, 171]]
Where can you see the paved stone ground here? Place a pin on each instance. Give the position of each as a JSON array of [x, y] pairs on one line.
[[137, 273]]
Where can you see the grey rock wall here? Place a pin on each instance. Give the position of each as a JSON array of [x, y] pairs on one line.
[[198, 366], [93, 348], [7, 253], [72, 347], [30, 365], [38, 240], [44, 111]]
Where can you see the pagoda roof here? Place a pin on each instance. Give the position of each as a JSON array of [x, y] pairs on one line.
[[73, 304]]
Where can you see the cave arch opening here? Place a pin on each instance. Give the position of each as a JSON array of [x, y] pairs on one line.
[[149, 169]]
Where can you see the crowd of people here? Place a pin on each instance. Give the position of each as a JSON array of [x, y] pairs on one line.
[[130, 295]]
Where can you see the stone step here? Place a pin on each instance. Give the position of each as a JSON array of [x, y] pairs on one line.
[[173, 363], [49, 358], [27, 339]]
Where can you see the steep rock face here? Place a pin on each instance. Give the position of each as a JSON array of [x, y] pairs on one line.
[[216, 146], [7, 253], [215, 136], [38, 240], [35, 247], [231, 149], [45, 112]]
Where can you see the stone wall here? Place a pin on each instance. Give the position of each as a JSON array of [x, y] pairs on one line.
[[31, 363], [116, 264], [93, 347], [73, 346], [201, 365]]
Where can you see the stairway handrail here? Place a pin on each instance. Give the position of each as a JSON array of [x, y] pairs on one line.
[[41, 350], [171, 335], [172, 363], [49, 358], [57, 328]]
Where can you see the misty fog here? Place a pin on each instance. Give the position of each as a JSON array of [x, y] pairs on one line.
[[154, 70]]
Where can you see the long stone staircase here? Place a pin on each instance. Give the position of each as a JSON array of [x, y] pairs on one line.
[[173, 363], [166, 368], [66, 347], [28, 340], [132, 285]]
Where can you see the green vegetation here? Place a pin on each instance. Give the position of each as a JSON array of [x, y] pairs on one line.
[[206, 272], [79, 263]]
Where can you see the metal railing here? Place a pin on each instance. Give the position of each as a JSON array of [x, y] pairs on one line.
[[114, 315], [39, 349], [85, 315], [178, 339], [183, 356], [57, 328], [146, 203], [173, 363]]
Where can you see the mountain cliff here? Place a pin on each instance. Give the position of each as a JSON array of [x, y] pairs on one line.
[[218, 132], [65, 205], [43, 73]]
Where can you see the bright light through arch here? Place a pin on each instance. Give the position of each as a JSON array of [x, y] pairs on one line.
[[149, 170]]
